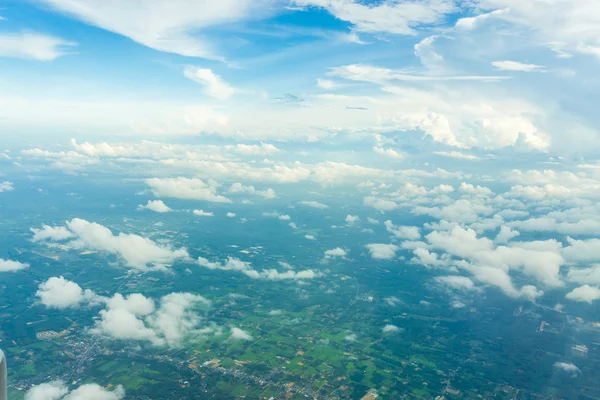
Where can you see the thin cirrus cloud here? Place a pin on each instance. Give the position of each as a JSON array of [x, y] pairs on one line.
[[34, 46], [516, 66], [164, 25], [216, 87]]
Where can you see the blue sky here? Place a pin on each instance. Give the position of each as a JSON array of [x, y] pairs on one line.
[[470, 75]]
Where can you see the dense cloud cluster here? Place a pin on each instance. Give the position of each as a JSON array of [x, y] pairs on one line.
[[59, 390], [135, 316], [135, 251]]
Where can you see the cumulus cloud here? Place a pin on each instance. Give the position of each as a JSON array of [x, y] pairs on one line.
[[202, 213], [506, 234], [391, 328], [388, 152], [185, 188], [569, 368], [491, 264], [244, 267], [230, 215], [239, 334], [380, 251], [239, 188], [136, 251], [350, 219], [155, 205], [58, 292], [379, 204], [11, 266], [402, 232], [314, 204], [57, 390], [54, 233], [135, 317], [585, 293], [334, 253], [456, 282], [6, 186], [310, 237]]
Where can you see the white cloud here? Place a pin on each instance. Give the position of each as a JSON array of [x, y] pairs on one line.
[[53, 390], [57, 390], [326, 84], [234, 264], [314, 204], [350, 219], [462, 210], [185, 188], [254, 149], [456, 282], [506, 235], [386, 17], [135, 318], [155, 205], [379, 204], [239, 334], [216, 87], [58, 292], [293, 225], [388, 152], [569, 368], [456, 154], [402, 232], [230, 214], [391, 328], [491, 264], [169, 26], [136, 251], [54, 233], [585, 275], [202, 213], [382, 251], [239, 188], [337, 252], [33, 46], [6, 186], [585, 293], [310, 237], [372, 221], [516, 66], [10, 265]]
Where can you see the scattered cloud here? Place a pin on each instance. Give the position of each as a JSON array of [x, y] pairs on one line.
[[59, 390], [6, 186], [585, 293], [155, 205], [202, 213], [135, 251], [351, 219], [380, 251], [314, 204], [334, 253], [11, 266], [402, 232], [185, 188], [391, 328], [239, 188], [569, 368], [239, 334]]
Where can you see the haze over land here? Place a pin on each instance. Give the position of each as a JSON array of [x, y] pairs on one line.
[[332, 199]]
